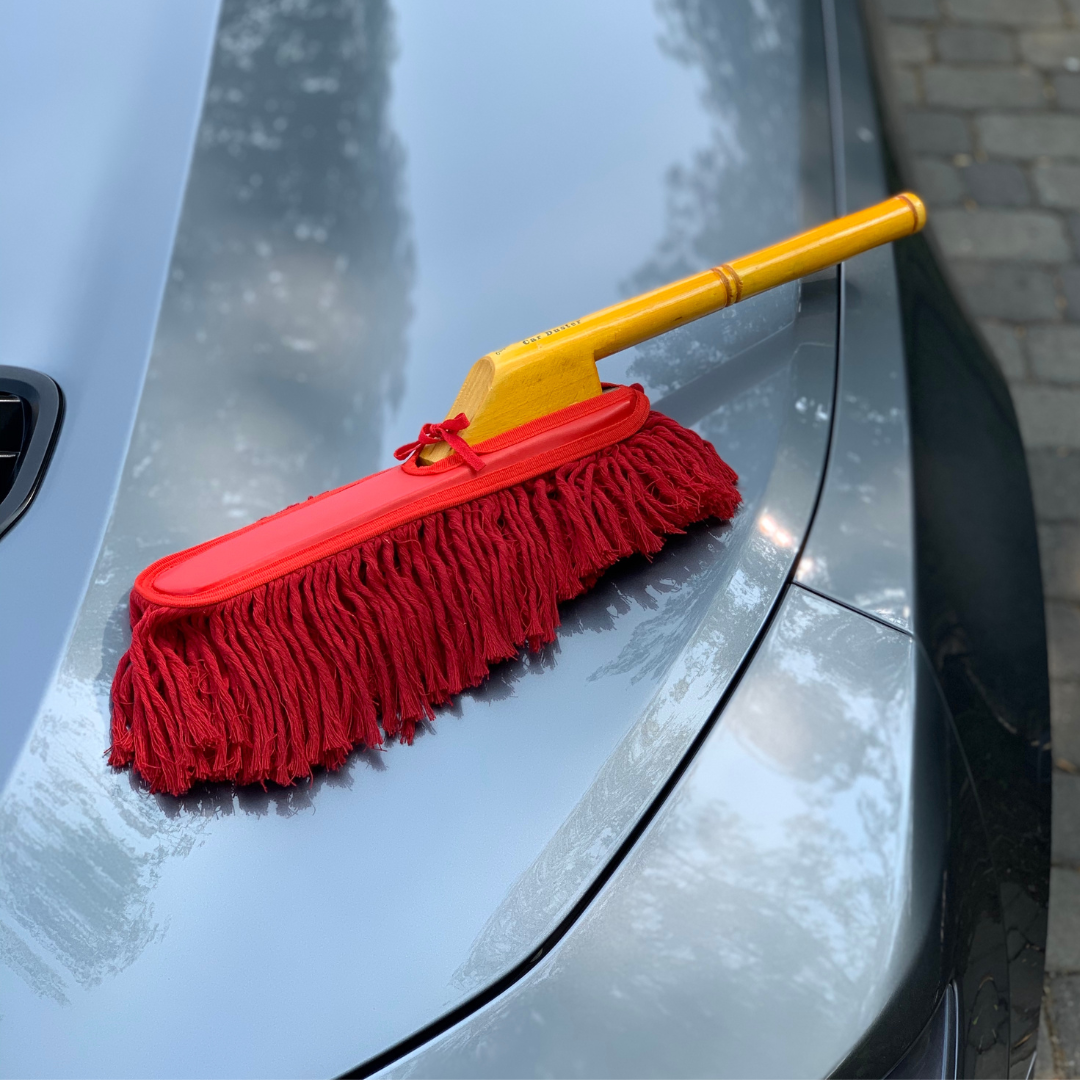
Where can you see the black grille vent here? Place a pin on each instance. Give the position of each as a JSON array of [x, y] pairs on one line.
[[30, 411], [14, 427]]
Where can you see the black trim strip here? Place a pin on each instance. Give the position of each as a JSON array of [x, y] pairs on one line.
[[46, 414], [851, 607]]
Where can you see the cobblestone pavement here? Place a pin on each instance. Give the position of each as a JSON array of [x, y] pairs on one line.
[[988, 93]]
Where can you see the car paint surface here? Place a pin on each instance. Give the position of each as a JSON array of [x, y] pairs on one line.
[[100, 107], [769, 910], [377, 898], [861, 548]]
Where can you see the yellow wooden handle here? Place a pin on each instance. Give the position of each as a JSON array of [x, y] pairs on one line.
[[557, 367]]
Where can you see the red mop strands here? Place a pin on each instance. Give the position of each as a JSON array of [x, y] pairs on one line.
[[345, 619], [253, 674]]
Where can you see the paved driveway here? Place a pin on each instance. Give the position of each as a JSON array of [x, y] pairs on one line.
[[987, 94]]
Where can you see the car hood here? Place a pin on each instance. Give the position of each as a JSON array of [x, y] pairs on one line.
[[378, 195]]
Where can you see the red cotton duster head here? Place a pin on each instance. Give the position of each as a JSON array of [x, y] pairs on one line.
[[347, 618]]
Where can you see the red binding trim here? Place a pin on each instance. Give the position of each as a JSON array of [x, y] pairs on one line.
[[336, 520]]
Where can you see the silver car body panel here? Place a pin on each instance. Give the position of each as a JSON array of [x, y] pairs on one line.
[[861, 547], [98, 111], [772, 906], [313, 290]]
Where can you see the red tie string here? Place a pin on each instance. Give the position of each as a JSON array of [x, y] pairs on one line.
[[446, 432]]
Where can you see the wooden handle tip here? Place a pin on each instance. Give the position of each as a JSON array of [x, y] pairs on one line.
[[918, 208]]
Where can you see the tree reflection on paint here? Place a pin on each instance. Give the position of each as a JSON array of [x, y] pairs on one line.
[[717, 208], [280, 345]]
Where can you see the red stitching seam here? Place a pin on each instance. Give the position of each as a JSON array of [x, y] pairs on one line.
[[482, 484]]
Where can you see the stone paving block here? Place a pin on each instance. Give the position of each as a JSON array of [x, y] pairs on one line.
[[1005, 348], [975, 45], [1030, 136], [1018, 235], [1070, 287], [1067, 91], [1063, 640], [1063, 937], [1064, 1002], [982, 87], [1065, 830], [906, 86], [1055, 352], [1005, 12], [937, 181], [910, 9], [1007, 291], [997, 183], [1065, 720], [1058, 186], [1044, 1057], [938, 132], [1059, 552], [1051, 48], [1049, 416], [907, 44], [1055, 484]]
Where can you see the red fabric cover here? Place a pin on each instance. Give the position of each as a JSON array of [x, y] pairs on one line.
[[361, 643], [346, 516]]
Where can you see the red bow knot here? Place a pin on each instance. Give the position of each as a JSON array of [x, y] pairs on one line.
[[446, 432]]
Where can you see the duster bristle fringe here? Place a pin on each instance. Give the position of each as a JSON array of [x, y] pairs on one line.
[[299, 671]]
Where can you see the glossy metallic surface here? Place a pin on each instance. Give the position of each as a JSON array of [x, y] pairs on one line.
[[343, 252], [861, 547], [772, 906], [98, 109], [963, 944]]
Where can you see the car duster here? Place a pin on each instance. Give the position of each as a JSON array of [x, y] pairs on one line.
[[280, 647]]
